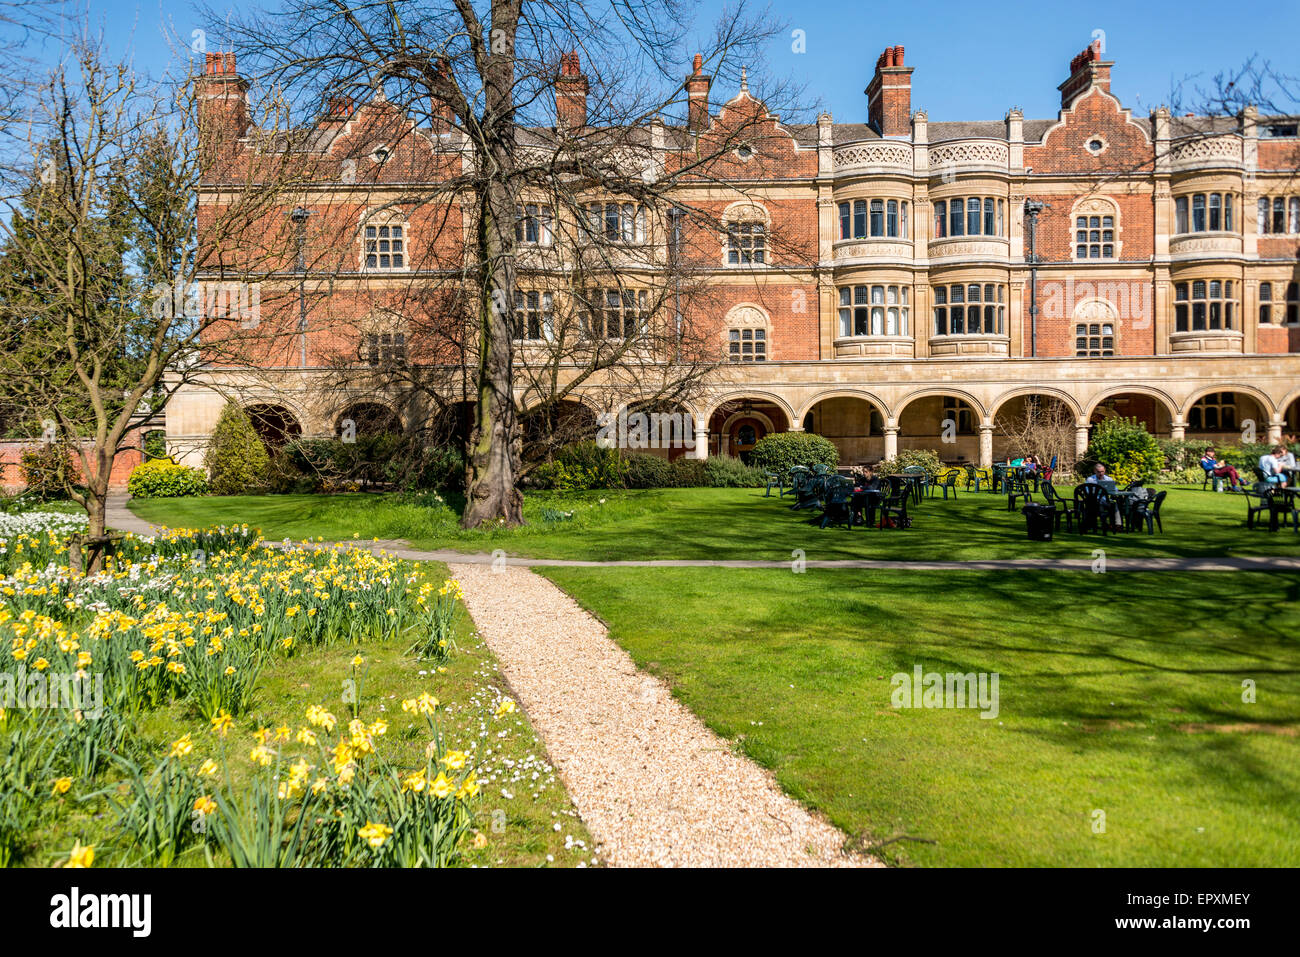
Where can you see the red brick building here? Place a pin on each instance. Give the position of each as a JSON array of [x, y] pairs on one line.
[[900, 294]]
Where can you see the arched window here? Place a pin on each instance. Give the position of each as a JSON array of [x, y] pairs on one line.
[[385, 245], [746, 227], [1095, 229], [747, 334]]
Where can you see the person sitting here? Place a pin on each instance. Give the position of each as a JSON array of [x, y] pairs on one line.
[[1270, 463], [1287, 458], [1031, 463], [1099, 476], [1219, 469]]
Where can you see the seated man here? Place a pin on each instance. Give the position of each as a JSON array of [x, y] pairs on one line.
[[1214, 466], [1099, 476], [1270, 463], [1287, 458]]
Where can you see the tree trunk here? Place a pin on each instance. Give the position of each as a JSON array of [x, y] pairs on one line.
[[492, 493]]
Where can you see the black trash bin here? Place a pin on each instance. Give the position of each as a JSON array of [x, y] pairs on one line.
[[1039, 520]]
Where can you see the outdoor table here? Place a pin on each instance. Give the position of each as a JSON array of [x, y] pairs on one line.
[[866, 500], [1124, 502]]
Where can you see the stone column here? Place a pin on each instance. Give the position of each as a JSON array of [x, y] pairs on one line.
[[1080, 441], [986, 446], [1178, 431], [891, 442], [1275, 430], [702, 443]]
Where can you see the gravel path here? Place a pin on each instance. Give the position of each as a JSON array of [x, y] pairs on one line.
[[653, 784]]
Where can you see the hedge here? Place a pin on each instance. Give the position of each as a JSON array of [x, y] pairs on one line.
[[781, 451], [163, 478]]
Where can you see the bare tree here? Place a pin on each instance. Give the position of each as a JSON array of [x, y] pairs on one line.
[[481, 81], [102, 311]]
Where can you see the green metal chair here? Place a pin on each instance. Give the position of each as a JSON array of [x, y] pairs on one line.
[[949, 481]]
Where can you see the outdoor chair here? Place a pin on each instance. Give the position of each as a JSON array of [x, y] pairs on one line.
[[807, 491], [822, 470], [921, 481], [1017, 492], [774, 478], [976, 476], [1091, 506], [1263, 493], [893, 511], [1283, 503], [1148, 510], [1211, 480], [950, 482], [793, 475], [1060, 505], [837, 510]]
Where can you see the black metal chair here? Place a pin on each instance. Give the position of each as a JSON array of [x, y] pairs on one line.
[[1264, 493], [1017, 490], [1282, 504], [839, 495], [1092, 508], [1060, 505], [1148, 510], [893, 510]]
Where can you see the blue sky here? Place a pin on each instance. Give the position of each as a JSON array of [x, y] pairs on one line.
[[973, 60]]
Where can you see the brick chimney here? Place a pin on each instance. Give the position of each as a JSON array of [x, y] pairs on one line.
[[223, 96], [1087, 69], [339, 109], [570, 93], [697, 97], [889, 95], [441, 121]]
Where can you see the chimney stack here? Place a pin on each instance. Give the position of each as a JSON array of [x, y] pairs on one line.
[[1087, 70], [339, 108], [223, 99], [889, 95], [570, 93], [697, 97], [441, 118]]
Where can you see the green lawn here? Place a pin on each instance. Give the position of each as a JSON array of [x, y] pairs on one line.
[[1119, 693], [724, 524]]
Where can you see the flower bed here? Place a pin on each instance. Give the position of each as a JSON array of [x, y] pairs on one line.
[[188, 621]]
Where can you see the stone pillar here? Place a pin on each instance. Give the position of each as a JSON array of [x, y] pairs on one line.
[[1275, 430], [986, 446], [702, 443], [891, 442], [1080, 441], [1178, 431]]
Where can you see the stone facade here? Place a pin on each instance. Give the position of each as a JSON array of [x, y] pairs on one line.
[[1167, 283]]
